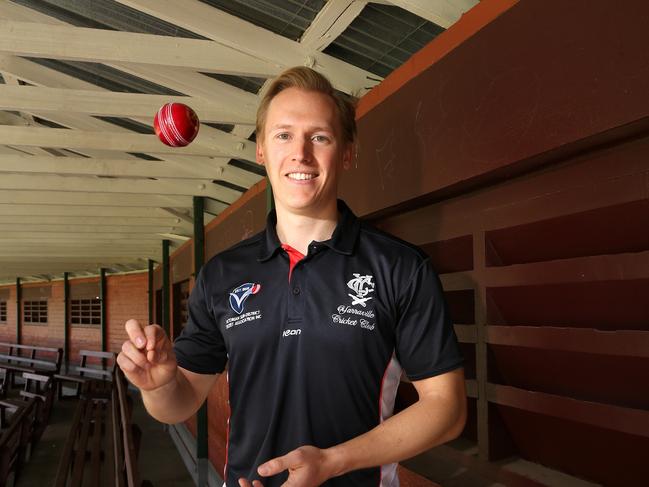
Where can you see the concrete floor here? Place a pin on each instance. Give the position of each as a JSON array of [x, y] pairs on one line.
[[159, 460]]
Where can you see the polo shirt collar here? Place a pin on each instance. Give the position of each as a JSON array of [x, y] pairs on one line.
[[342, 241]]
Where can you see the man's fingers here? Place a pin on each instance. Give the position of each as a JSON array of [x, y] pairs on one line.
[[274, 466], [246, 483], [155, 336], [126, 364], [135, 333], [133, 354], [158, 356]]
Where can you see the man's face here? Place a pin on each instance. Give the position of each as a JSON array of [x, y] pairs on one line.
[[303, 150]]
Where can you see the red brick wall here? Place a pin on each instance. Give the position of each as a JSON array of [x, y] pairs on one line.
[[8, 329], [127, 297], [50, 335], [83, 337]]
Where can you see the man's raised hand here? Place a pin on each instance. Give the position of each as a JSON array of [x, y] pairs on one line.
[[147, 357]]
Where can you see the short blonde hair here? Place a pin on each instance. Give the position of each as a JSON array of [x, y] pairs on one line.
[[310, 80]]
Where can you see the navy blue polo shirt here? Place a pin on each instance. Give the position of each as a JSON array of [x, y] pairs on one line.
[[315, 360]]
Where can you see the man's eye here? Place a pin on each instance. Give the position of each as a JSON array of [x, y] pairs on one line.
[[283, 136], [320, 138]]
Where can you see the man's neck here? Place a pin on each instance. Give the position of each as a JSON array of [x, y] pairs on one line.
[[299, 230]]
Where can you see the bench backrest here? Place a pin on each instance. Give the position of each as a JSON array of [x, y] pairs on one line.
[[104, 369], [13, 353], [27, 362], [16, 437], [40, 388], [127, 462]]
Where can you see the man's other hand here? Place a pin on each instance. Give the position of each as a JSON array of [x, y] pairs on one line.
[[147, 357], [307, 466]]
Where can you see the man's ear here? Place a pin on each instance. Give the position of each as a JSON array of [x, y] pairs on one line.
[[259, 154], [347, 156]]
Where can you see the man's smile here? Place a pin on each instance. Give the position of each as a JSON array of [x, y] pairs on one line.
[[301, 176]]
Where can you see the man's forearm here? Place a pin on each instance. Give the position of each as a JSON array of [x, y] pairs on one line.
[[172, 403], [429, 422]]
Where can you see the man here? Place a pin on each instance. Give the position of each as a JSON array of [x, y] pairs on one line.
[[316, 317]]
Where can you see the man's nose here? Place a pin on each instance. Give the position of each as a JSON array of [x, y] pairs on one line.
[[302, 149]]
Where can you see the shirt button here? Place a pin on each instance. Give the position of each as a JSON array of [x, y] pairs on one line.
[[296, 290]]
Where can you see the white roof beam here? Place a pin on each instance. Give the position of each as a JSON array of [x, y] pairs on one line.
[[188, 218], [63, 233], [108, 104], [18, 197], [12, 81], [441, 12], [52, 182], [182, 80], [9, 229], [123, 142], [331, 21], [243, 36], [213, 139], [80, 248], [32, 39], [84, 211], [90, 221], [198, 168], [73, 251], [182, 166]]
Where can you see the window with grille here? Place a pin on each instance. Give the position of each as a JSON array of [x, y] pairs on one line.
[[3, 311], [85, 311], [35, 312]]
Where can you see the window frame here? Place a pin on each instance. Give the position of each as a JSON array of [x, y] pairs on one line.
[[85, 312], [40, 307]]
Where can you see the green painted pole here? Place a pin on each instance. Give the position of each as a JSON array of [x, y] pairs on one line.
[[66, 320], [166, 291], [201, 415], [104, 305], [19, 310], [151, 291]]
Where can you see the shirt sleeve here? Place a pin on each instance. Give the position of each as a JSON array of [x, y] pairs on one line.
[[200, 347], [426, 344]]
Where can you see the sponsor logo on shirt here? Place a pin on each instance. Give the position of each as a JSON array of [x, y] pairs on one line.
[[362, 286], [296, 331], [239, 295]]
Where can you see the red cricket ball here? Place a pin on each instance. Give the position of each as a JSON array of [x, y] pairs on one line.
[[176, 124]]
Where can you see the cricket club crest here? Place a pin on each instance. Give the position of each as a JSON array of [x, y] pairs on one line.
[[239, 295], [362, 286]]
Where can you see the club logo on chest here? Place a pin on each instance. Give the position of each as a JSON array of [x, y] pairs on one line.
[[362, 286]]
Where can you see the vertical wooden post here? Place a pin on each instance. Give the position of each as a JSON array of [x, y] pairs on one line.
[[66, 320], [104, 304], [18, 310], [166, 291], [201, 415], [151, 291]]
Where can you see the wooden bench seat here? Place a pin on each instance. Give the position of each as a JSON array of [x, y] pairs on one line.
[[17, 359], [15, 440], [84, 371], [37, 388], [101, 449]]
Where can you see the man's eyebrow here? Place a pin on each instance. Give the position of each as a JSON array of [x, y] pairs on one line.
[[289, 126]]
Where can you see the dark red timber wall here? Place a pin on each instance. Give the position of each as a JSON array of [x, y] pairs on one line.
[[520, 163]]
